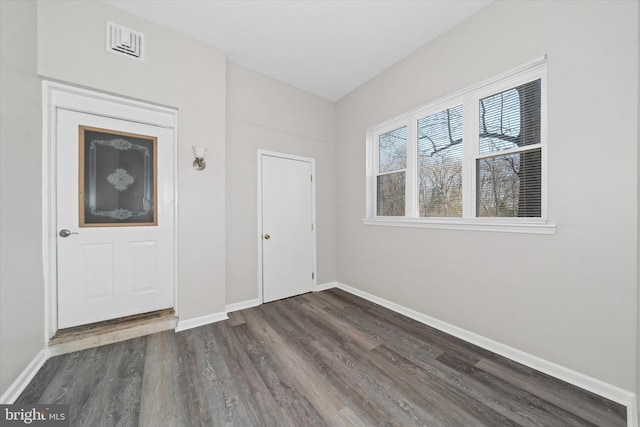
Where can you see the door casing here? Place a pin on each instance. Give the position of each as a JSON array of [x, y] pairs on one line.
[[312, 161], [57, 96]]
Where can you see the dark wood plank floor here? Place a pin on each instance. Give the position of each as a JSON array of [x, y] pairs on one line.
[[327, 358]]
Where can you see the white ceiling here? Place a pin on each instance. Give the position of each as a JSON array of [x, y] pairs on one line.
[[327, 47]]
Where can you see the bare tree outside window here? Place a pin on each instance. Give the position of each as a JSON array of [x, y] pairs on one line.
[[391, 194], [510, 185], [476, 157], [440, 164], [392, 164]]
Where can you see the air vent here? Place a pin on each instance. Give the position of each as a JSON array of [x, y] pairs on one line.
[[124, 42]]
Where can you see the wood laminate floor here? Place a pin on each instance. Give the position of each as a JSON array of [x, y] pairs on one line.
[[327, 358]]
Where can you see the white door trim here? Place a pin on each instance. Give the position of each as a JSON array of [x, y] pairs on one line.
[[313, 212], [57, 96]]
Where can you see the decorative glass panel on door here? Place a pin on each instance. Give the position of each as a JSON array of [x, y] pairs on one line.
[[117, 178]]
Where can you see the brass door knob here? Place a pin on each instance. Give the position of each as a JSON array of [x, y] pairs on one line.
[[267, 237]]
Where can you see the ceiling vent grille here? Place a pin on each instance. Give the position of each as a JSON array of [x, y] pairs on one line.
[[124, 42]]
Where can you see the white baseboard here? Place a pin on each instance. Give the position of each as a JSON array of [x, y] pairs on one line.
[[242, 305], [578, 379], [325, 286], [23, 380], [632, 413], [256, 302], [183, 325]]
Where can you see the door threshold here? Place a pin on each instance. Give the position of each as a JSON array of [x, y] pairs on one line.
[[111, 331]]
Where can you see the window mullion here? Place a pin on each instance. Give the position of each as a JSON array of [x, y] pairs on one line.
[[469, 149], [505, 152], [391, 172], [543, 143], [372, 168], [411, 190]]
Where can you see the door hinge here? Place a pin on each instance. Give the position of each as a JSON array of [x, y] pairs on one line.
[[311, 178], [313, 275], [311, 227]]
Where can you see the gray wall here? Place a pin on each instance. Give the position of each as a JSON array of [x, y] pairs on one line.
[[570, 297], [263, 113], [637, 389], [178, 72], [64, 41], [21, 282]]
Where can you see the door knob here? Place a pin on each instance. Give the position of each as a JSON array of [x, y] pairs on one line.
[[267, 237], [66, 233]]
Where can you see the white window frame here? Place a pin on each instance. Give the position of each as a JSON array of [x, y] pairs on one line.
[[469, 98]]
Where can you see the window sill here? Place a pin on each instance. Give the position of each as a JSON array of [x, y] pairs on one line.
[[469, 225]]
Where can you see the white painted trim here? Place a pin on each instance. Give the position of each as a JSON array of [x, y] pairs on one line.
[[448, 99], [25, 377], [237, 306], [312, 161], [632, 413], [242, 305], [176, 223], [195, 322], [578, 379], [325, 286], [470, 225], [259, 225], [468, 98], [49, 253], [57, 96]]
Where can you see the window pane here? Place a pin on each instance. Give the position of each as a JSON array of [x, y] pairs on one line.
[[391, 194], [392, 152], [510, 185], [510, 119], [440, 164]]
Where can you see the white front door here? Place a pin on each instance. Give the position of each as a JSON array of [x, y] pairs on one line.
[[288, 252], [109, 265]]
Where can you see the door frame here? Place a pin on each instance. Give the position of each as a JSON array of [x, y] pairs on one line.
[[312, 161], [58, 96]]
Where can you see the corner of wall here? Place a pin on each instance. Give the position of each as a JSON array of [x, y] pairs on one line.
[[21, 276]]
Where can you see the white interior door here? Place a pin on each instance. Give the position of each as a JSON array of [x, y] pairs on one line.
[[288, 253], [105, 271]]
